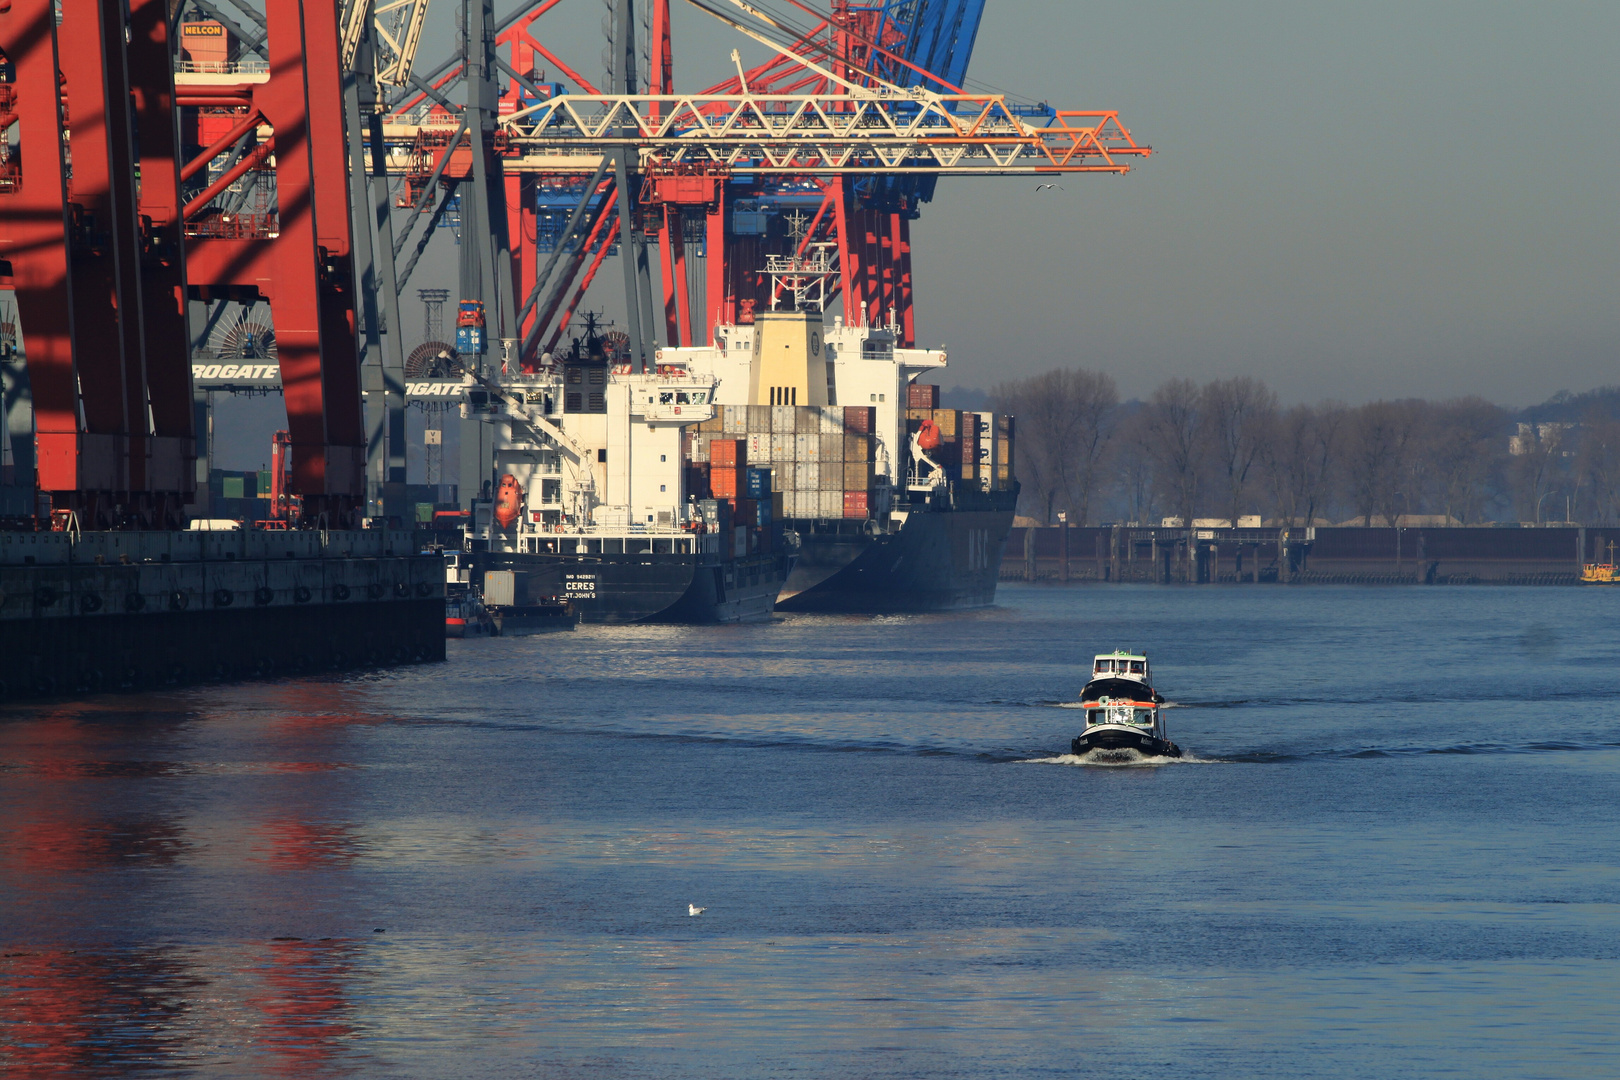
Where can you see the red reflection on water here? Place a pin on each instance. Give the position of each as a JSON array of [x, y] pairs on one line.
[[305, 1005], [297, 844], [65, 1012]]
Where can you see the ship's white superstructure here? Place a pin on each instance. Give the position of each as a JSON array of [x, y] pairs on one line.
[[861, 365], [612, 468]]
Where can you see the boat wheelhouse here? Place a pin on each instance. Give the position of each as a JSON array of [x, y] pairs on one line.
[[1123, 712]]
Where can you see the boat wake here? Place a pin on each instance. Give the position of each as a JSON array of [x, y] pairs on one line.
[[1125, 757]]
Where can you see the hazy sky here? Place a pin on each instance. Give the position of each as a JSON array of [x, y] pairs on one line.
[[1351, 199]]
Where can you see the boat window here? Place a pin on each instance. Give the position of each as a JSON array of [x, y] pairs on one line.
[[1105, 665], [1144, 717], [1092, 717], [1138, 667], [666, 398], [681, 398]]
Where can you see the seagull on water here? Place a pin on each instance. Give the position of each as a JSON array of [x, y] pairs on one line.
[[693, 909]]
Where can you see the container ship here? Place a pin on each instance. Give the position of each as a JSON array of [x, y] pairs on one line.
[[896, 504], [587, 510]]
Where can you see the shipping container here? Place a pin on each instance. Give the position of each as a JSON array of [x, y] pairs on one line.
[[759, 419], [728, 453], [806, 420], [712, 424], [832, 419], [948, 421], [860, 419], [777, 498], [857, 475], [802, 478], [782, 420], [832, 448], [745, 511], [723, 482], [857, 448], [831, 504], [782, 449], [759, 483], [916, 416], [759, 447], [807, 448], [855, 504], [734, 419], [922, 396]]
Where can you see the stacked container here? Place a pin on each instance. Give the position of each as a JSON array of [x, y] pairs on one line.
[[813, 457]]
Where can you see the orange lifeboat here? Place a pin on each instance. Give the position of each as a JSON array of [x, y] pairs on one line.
[[508, 502], [928, 436]]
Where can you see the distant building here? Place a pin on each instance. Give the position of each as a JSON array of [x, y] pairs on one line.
[[1538, 438]]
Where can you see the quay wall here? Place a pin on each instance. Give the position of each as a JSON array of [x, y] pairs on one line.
[[1333, 555], [104, 611]]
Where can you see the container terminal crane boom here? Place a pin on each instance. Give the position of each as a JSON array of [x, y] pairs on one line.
[[303, 145], [836, 139]]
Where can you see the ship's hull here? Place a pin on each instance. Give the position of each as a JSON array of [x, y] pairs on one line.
[[938, 560], [1111, 737], [646, 587]]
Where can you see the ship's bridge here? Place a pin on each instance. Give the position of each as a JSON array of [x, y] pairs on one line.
[[686, 399]]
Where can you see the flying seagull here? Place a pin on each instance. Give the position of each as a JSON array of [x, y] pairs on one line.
[[1043, 187], [693, 909]]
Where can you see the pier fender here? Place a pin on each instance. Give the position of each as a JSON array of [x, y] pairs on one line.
[[134, 602], [402, 589], [45, 596], [340, 592], [179, 601], [424, 589], [89, 603], [263, 595], [374, 591], [223, 598], [301, 595]]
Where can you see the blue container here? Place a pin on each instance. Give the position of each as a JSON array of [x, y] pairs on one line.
[[470, 340], [758, 484]]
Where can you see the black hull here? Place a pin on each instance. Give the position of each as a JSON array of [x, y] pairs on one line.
[[645, 587], [1109, 738], [939, 560]]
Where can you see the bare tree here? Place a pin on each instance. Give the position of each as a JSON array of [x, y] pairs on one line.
[[1172, 428], [1463, 445], [1133, 474], [1538, 460], [1301, 460], [1597, 465], [1065, 422], [1240, 417], [1377, 462]]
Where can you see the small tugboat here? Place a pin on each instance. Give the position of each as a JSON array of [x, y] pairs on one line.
[[1123, 711]]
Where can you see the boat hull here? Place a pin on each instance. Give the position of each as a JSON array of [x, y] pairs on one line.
[[613, 588], [1110, 737], [937, 561]]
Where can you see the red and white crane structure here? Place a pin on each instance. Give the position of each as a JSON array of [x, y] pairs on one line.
[[127, 170]]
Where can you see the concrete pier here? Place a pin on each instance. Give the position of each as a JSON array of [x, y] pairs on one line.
[[1350, 555], [82, 612]]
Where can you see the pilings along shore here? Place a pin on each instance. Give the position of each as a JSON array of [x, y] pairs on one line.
[[1325, 555], [84, 612]]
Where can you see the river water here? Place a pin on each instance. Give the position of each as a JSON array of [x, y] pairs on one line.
[[1393, 852]]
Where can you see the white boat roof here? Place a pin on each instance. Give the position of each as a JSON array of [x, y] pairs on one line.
[[1119, 654]]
